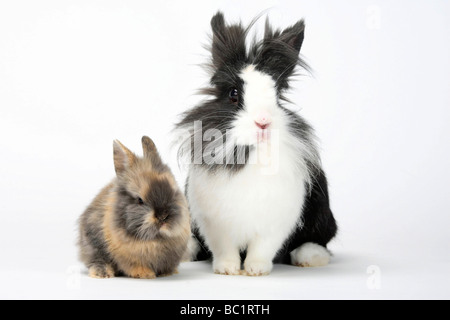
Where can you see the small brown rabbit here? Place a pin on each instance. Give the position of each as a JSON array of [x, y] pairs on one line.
[[139, 224]]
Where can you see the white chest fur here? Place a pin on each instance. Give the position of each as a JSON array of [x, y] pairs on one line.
[[253, 202]]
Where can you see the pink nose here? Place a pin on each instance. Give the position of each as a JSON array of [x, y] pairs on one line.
[[263, 120]]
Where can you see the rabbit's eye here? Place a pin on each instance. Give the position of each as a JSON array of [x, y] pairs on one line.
[[234, 96], [140, 201]]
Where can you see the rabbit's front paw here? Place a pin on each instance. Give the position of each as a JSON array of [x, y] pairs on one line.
[[228, 267], [142, 273], [257, 267], [101, 271]]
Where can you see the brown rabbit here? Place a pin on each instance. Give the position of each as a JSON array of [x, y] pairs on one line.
[[138, 225]]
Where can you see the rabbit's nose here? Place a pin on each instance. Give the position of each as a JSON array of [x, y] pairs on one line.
[[263, 119], [262, 125], [162, 216]]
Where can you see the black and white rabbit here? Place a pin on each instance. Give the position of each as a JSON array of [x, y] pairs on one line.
[[255, 186]]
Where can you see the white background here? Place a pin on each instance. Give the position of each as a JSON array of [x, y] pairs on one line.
[[74, 75]]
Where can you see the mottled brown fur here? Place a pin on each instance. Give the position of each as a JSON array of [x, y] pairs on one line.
[[138, 225]]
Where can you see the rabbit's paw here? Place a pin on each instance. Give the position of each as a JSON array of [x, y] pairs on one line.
[[142, 273], [227, 267], [257, 267], [310, 255], [101, 271]]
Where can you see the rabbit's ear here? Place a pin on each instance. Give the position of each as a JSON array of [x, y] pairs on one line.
[[123, 158], [292, 36], [218, 23], [279, 53], [228, 42], [150, 151]]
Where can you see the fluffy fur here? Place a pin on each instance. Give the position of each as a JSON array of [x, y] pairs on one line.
[[138, 225], [257, 192]]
